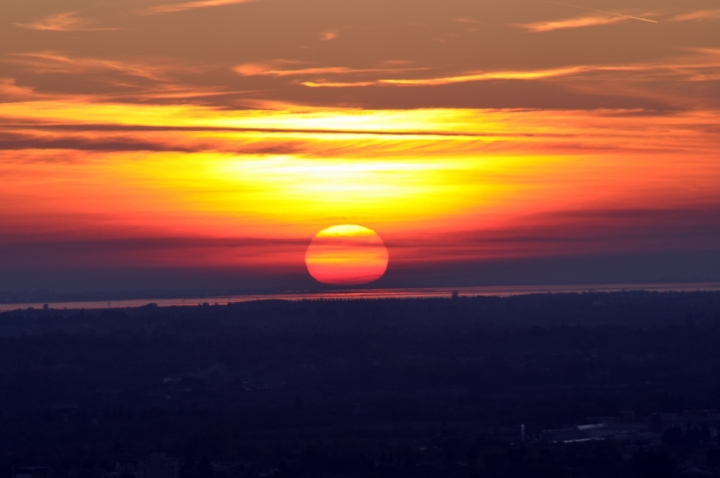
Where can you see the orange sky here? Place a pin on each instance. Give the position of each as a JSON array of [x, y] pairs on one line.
[[202, 144]]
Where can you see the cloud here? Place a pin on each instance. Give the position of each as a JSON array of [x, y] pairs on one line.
[[79, 143], [51, 62], [605, 18], [700, 67], [272, 69], [62, 22], [70, 248], [487, 76], [264, 69], [9, 88], [468, 20], [475, 76], [181, 7], [579, 22], [116, 138], [340, 84], [575, 232], [697, 16], [615, 14], [329, 35]]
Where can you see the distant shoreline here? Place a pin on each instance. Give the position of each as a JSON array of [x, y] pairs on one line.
[[356, 294]]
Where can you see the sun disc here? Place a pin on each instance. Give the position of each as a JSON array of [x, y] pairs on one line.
[[346, 255]]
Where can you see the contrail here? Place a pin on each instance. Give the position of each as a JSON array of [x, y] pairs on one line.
[[602, 11]]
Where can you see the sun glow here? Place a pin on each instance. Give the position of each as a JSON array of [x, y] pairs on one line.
[[346, 255], [113, 170]]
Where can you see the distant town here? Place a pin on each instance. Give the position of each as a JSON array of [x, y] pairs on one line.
[[621, 384]]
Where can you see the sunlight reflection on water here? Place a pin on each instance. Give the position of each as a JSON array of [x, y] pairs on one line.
[[499, 291]]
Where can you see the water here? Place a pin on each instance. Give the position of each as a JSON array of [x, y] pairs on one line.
[[500, 291]]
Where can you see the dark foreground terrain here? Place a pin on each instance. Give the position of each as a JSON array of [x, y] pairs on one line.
[[425, 387]]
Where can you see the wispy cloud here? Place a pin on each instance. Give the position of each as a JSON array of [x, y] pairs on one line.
[[608, 18], [468, 20], [341, 84], [329, 35], [274, 69], [181, 7], [579, 22], [51, 62], [703, 15], [9, 88], [476, 76], [263, 69], [604, 12], [702, 65], [62, 22]]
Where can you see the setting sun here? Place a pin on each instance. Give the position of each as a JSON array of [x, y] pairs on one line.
[[346, 255]]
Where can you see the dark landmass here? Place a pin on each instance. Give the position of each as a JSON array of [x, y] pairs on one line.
[[421, 387]]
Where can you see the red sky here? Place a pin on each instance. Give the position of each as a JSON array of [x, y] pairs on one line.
[[202, 144]]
